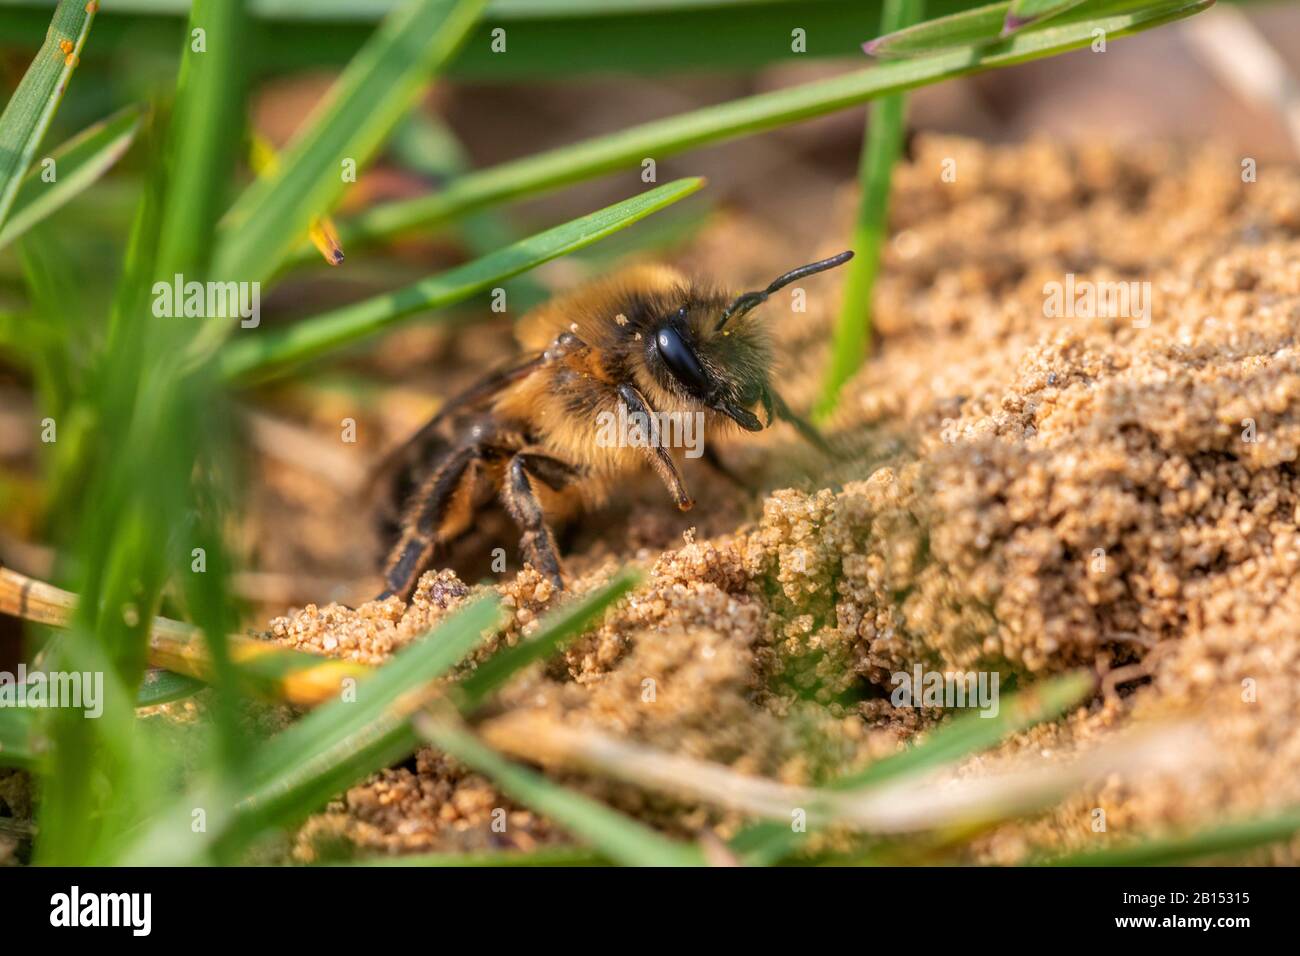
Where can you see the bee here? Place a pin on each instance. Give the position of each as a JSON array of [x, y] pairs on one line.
[[649, 340]]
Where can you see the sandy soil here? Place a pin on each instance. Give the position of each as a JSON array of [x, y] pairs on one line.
[[1019, 492]]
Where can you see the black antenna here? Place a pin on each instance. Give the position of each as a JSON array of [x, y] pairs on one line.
[[746, 301]]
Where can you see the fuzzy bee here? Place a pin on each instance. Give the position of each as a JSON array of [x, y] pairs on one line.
[[649, 340]]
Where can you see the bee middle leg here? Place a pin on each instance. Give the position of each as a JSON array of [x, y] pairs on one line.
[[725, 471], [520, 499], [443, 507], [773, 402]]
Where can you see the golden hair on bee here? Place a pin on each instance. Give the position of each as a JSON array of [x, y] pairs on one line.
[[662, 355]]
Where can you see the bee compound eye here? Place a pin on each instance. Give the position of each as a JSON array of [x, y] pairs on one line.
[[681, 360]]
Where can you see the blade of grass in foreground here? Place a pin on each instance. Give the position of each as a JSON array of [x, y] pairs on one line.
[[1025, 12], [29, 111], [17, 737], [1235, 837], [206, 125], [363, 729], [300, 772], [566, 623], [78, 163], [547, 41], [266, 354], [965, 29], [881, 147], [618, 837], [302, 764], [661, 138], [988, 24], [379, 86], [98, 773], [162, 687], [966, 735], [972, 733]]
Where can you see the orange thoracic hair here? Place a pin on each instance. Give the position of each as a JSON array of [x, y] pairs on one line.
[[616, 319]]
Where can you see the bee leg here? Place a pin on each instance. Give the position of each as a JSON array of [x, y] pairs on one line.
[[660, 460], [427, 524], [520, 499], [714, 461], [565, 345], [555, 474], [806, 430]]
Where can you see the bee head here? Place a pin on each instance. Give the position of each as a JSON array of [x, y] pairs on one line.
[[711, 352]]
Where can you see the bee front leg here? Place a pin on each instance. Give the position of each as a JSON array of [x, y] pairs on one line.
[[660, 460], [520, 499]]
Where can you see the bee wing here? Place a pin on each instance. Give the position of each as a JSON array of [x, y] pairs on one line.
[[422, 447]]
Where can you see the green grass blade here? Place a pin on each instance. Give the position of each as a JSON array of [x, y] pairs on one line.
[[138, 406], [968, 28], [29, 111], [557, 628], [997, 21], [953, 741], [207, 127], [597, 39], [17, 738], [291, 765], [96, 772], [545, 40], [366, 729], [881, 147], [618, 837], [379, 86], [373, 740], [344, 740], [1025, 12], [56, 303], [162, 687], [1227, 838], [274, 352], [78, 163], [662, 138], [363, 11], [972, 733], [18, 727]]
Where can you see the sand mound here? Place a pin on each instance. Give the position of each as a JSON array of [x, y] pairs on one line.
[[1029, 492]]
